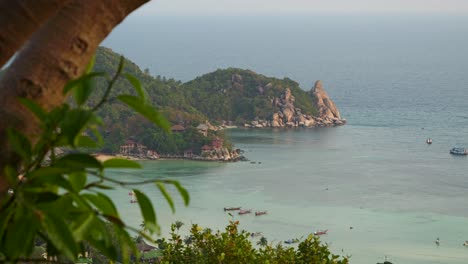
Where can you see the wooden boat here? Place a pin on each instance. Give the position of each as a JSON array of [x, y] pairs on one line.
[[231, 208], [260, 213], [459, 151], [319, 233], [241, 212]]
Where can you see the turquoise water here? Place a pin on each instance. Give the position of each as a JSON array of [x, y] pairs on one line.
[[398, 195], [397, 80]]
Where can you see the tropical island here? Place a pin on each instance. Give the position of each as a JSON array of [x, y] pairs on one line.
[[200, 110]]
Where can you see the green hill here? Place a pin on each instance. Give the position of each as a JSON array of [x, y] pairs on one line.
[[228, 96], [243, 95]]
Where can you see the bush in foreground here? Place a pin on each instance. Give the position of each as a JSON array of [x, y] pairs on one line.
[[235, 246]]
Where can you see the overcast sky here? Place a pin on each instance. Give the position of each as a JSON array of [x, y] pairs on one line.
[[237, 7]]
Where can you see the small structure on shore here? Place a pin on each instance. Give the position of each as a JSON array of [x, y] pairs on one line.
[[134, 149]]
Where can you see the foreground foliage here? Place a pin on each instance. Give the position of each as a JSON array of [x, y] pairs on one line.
[[235, 246], [57, 200]]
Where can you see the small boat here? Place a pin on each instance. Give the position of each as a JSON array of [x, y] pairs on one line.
[[319, 233], [429, 141], [458, 151], [231, 208], [260, 213], [241, 212], [133, 201], [291, 241]]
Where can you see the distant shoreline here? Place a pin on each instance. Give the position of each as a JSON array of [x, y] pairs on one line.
[[104, 157]]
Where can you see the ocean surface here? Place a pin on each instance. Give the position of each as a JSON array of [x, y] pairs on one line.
[[397, 80]]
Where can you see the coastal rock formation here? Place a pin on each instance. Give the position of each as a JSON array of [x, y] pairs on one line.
[[326, 107], [287, 114]]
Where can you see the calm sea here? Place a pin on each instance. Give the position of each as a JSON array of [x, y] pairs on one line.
[[397, 80]]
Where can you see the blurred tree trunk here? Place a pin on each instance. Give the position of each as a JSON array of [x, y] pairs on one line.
[[57, 52], [19, 19]]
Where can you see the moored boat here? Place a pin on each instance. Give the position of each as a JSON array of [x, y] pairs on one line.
[[241, 212], [231, 208], [260, 213], [291, 241], [458, 151], [429, 141], [319, 233]]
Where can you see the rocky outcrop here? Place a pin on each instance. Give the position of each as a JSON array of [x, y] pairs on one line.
[[325, 106], [288, 115]]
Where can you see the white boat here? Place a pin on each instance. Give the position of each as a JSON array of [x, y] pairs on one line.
[[459, 151]]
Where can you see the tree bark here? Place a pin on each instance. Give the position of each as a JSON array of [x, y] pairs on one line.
[[19, 19], [58, 52]]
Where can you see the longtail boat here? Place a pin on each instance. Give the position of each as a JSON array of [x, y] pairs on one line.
[[319, 233], [231, 208], [241, 212], [260, 213]]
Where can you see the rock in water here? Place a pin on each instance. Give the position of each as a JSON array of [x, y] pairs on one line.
[[325, 106]]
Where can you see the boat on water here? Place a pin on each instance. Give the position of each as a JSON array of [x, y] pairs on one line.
[[256, 234], [291, 241], [458, 151], [260, 213], [241, 212], [231, 208], [429, 141], [322, 232]]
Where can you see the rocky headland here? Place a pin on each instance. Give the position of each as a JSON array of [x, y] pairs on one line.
[[290, 115]]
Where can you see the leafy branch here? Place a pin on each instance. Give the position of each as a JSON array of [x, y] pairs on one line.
[[52, 197]]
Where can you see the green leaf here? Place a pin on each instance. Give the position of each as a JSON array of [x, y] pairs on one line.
[[56, 180], [60, 234], [147, 210], [81, 226], [121, 163], [90, 65], [74, 123], [11, 175], [47, 171], [75, 83], [103, 203], [19, 237], [78, 161], [77, 180], [146, 110], [136, 83], [183, 192], [34, 108], [85, 142], [19, 143], [166, 195]]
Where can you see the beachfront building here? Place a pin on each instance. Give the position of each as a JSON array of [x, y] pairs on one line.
[[132, 148]]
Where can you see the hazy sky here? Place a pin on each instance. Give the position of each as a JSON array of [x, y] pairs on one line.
[[234, 7]]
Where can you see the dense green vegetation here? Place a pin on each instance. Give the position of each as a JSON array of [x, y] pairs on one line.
[[224, 95], [236, 246], [122, 123], [238, 95]]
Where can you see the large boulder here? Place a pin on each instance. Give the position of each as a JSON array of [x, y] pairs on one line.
[[325, 106]]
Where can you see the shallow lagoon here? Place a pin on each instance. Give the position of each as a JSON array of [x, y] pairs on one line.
[[399, 195]]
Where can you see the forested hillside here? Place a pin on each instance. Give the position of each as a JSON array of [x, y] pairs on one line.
[[229, 96]]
